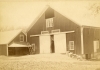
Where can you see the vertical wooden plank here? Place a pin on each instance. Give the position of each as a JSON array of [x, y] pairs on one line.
[[26, 37], [7, 49], [82, 45]]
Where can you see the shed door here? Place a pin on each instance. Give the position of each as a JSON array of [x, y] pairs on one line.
[[96, 46], [60, 43], [45, 44]]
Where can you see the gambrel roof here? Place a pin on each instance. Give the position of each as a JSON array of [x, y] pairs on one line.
[[7, 36]]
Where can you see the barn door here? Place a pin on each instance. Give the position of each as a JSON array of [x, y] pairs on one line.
[[45, 44], [96, 46], [60, 43]]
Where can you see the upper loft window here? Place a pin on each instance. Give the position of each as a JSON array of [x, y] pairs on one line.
[[44, 32], [21, 38], [49, 22]]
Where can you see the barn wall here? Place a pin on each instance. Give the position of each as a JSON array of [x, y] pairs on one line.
[[97, 37], [63, 23], [37, 28], [35, 40], [89, 35], [77, 42], [3, 50], [17, 39], [18, 51], [60, 22]]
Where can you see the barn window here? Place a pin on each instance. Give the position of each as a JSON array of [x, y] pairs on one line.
[[49, 22], [21, 38], [71, 45]]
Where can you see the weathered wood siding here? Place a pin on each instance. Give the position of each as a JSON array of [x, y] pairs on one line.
[[90, 34], [18, 51], [60, 22], [3, 50], [17, 39], [35, 40], [49, 13], [37, 28], [76, 37]]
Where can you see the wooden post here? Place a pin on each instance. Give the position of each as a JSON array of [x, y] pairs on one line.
[[7, 49], [26, 37], [82, 45]]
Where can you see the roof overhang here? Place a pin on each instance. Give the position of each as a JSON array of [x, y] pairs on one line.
[[19, 45]]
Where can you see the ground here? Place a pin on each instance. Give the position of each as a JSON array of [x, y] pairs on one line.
[[46, 62]]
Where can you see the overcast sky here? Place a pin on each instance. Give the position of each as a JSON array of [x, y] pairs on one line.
[[24, 13]]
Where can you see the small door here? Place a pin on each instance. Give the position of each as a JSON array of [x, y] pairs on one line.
[[96, 46], [45, 43], [60, 43], [52, 44]]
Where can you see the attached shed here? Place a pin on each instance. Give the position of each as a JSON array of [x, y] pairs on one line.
[[13, 43]]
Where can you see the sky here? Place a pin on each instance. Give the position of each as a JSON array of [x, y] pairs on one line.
[[23, 13]]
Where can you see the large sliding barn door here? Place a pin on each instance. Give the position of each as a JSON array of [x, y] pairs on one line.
[[45, 44], [60, 43]]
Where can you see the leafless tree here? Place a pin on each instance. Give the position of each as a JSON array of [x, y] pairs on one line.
[[95, 8]]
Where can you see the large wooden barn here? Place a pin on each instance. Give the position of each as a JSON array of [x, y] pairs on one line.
[[52, 32], [13, 43]]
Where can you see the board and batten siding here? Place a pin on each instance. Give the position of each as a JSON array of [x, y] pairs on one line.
[[90, 34], [4, 50], [37, 27], [76, 37], [35, 40], [17, 39], [60, 22]]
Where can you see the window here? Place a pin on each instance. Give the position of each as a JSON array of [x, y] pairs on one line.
[[71, 45], [56, 31], [21, 38], [96, 46], [49, 22], [44, 32]]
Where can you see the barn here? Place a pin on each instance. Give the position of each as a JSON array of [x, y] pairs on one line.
[[13, 43], [52, 32]]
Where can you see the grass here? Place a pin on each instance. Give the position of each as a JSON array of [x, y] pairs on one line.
[[46, 62]]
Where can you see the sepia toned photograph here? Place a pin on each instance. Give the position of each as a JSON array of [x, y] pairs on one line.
[[49, 34]]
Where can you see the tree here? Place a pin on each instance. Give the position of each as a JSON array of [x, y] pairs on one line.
[[95, 8]]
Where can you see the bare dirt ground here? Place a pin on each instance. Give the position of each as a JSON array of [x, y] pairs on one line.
[[46, 62]]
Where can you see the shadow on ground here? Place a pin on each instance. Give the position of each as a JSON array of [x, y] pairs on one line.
[[98, 69]]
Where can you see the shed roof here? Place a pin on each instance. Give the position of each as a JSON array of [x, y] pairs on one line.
[[19, 45], [7, 36]]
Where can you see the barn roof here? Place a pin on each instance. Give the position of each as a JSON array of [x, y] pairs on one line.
[[81, 21], [7, 36]]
